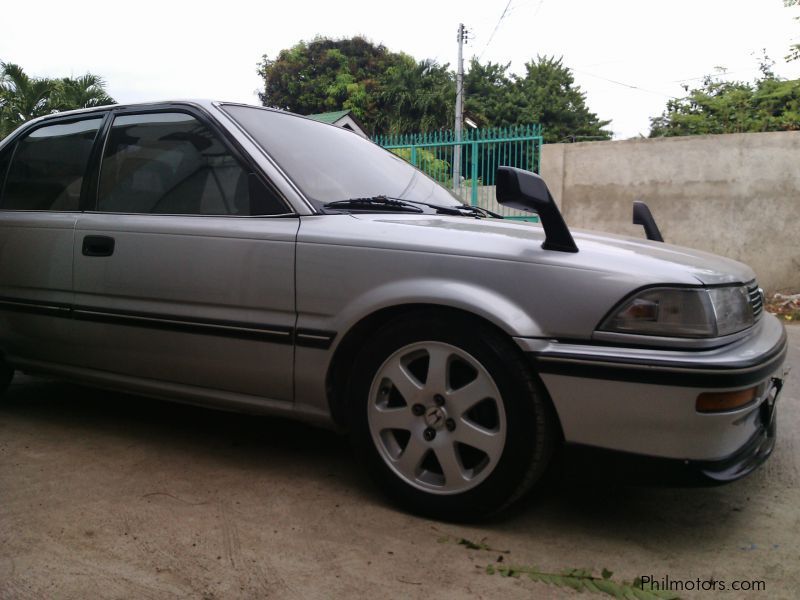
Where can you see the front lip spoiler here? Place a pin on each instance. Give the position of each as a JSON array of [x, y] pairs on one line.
[[746, 460], [581, 461], [757, 449]]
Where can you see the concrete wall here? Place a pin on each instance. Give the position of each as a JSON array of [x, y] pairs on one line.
[[737, 195]]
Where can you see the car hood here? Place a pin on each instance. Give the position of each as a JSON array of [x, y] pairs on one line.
[[652, 262]]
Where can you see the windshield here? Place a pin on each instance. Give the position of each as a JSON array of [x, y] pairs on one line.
[[329, 163]]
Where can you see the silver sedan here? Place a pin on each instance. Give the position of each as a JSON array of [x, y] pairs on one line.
[[253, 260]]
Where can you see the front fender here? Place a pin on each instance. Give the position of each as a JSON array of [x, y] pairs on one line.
[[469, 297]]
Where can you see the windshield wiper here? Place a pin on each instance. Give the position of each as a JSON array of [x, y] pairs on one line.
[[390, 203], [479, 211], [459, 210], [375, 203]]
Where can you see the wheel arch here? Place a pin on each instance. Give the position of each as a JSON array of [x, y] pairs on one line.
[[341, 364]]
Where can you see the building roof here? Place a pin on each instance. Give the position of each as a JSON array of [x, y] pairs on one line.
[[341, 118], [329, 117]]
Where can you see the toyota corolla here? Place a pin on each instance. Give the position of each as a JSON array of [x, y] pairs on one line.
[[253, 260]]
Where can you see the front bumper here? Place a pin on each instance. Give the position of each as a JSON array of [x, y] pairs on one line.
[[643, 401], [757, 449]]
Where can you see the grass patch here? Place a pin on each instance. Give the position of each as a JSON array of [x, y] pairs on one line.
[[580, 580], [784, 306], [583, 580]]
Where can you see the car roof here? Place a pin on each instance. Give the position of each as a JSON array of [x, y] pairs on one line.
[[201, 103], [205, 103]]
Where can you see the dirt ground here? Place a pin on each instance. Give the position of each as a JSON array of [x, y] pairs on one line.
[[112, 496]]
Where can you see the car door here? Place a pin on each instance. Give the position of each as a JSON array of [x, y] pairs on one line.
[[42, 174], [184, 266]]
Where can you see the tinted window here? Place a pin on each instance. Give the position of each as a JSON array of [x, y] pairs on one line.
[[47, 169], [170, 163], [5, 158], [329, 163]]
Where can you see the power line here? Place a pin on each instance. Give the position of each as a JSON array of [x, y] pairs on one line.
[[718, 73], [627, 85], [518, 6], [724, 72], [491, 37]]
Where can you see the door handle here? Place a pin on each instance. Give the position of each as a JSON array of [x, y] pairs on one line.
[[98, 245]]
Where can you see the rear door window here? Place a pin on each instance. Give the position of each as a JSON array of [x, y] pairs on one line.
[[170, 163], [48, 167]]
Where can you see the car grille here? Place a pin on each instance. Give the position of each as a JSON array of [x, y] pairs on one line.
[[756, 295]]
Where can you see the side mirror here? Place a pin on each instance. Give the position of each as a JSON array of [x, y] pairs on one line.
[[527, 191], [642, 216]]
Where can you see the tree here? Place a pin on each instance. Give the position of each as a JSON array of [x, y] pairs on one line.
[[415, 97], [323, 75], [85, 91], [719, 106], [550, 97], [389, 92], [492, 98], [546, 94], [23, 98]]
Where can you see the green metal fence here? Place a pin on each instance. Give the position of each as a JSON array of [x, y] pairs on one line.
[[481, 152]]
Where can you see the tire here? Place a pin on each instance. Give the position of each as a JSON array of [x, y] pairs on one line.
[[450, 419], [6, 375]]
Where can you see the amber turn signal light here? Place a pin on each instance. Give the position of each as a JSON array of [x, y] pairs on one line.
[[721, 401]]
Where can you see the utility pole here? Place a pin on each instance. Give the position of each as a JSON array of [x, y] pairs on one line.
[[462, 38]]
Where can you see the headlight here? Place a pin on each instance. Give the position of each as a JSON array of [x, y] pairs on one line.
[[683, 312]]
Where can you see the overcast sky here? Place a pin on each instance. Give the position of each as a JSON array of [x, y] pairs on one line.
[[629, 56]]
